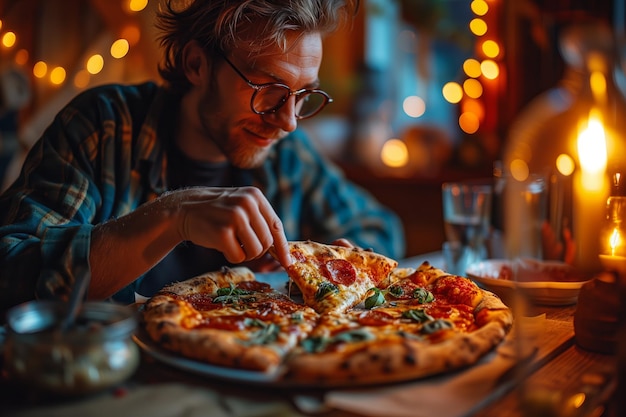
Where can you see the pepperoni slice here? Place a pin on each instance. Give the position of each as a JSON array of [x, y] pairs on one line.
[[254, 286], [224, 323], [339, 271], [375, 318]]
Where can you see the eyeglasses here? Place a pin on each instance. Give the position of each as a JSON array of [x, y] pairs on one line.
[[268, 98]]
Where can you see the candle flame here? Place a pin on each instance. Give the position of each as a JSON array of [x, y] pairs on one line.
[[592, 151], [614, 241]]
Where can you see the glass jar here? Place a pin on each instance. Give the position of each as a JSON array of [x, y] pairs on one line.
[[571, 136], [613, 236], [96, 353]]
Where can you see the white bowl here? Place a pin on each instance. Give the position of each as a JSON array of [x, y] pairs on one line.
[[543, 282]]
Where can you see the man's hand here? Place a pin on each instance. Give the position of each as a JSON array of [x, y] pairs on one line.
[[239, 222]]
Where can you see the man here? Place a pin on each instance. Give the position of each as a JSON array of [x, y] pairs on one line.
[[147, 185]]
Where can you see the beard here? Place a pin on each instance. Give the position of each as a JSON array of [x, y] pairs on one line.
[[232, 138], [241, 152]]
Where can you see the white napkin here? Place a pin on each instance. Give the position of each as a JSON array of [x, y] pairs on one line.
[[165, 400], [454, 395]]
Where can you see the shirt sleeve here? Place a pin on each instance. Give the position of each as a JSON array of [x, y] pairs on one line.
[[46, 217], [315, 201]]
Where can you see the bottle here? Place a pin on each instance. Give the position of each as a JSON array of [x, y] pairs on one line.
[[570, 140]]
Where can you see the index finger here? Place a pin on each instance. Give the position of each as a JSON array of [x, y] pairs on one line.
[[281, 245]]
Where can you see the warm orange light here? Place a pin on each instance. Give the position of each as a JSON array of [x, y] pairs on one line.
[[9, 39], [119, 48], [137, 5], [473, 88], [95, 63], [615, 241], [479, 7], [471, 67], [478, 27], [490, 69], [592, 151], [132, 34], [597, 82], [469, 123], [474, 106], [490, 48], [565, 164], [519, 169], [395, 153], [81, 79], [21, 57], [40, 69], [452, 92], [57, 75]]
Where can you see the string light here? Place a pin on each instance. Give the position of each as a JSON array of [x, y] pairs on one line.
[[119, 49], [473, 112]]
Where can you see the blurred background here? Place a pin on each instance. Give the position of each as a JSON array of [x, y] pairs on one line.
[[425, 90]]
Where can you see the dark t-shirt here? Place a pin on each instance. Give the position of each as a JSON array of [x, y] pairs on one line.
[[187, 259]]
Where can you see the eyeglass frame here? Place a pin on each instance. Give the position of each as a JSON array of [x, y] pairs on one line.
[[298, 93]]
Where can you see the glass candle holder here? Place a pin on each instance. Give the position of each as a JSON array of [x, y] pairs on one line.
[[613, 236]]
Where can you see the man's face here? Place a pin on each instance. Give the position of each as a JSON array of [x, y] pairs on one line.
[[225, 116]]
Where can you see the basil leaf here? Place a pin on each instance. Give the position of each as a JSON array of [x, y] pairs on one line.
[[230, 294], [324, 289], [423, 295], [315, 344], [418, 315], [375, 299], [396, 291], [267, 333], [297, 317], [320, 343], [355, 335], [436, 325]]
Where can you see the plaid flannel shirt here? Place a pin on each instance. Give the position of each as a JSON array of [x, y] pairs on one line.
[[105, 154]]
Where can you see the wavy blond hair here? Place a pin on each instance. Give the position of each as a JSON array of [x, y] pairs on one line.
[[222, 25]]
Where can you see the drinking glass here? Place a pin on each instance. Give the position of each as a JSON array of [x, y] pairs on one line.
[[467, 220]]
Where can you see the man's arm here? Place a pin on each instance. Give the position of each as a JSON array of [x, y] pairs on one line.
[[238, 222]]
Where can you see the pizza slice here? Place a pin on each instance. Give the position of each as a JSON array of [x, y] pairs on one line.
[[227, 318], [334, 278], [428, 323], [416, 284]]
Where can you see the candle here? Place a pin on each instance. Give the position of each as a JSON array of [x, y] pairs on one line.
[[591, 190], [612, 239], [614, 263]]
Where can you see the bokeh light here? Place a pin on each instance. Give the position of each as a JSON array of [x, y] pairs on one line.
[[119, 48], [57, 75], [452, 92], [469, 123], [414, 106], [395, 153], [478, 27]]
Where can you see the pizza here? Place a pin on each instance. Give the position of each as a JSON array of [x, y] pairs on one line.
[[335, 278], [378, 323], [228, 318], [423, 324]]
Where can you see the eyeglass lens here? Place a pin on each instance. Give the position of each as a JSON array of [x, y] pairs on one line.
[[270, 98]]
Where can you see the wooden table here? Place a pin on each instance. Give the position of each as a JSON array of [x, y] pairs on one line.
[[556, 374]]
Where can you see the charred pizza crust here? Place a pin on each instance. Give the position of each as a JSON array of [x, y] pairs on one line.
[[229, 319]]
